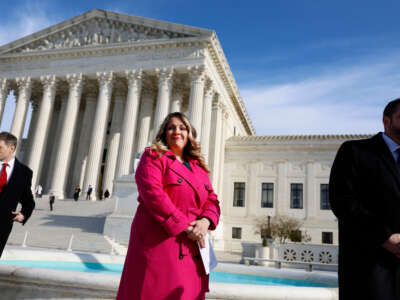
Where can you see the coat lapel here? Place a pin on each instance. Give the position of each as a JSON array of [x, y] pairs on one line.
[[189, 176], [13, 178], [386, 156]]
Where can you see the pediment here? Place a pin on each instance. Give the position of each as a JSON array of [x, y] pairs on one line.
[[98, 27]]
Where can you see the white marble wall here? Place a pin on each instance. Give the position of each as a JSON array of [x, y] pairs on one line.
[[281, 161]]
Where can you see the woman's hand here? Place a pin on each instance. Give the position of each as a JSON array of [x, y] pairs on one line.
[[189, 229], [199, 231]]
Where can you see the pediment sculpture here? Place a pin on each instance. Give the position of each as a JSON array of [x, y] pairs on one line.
[[98, 31]]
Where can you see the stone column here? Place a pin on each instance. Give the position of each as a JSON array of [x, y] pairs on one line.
[[24, 95], [53, 144], [112, 152], [177, 99], [215, 137], [206, 126], [4, 91], [84, 140], [64, 147], [128, 130], [282, 202], [35, 158], [252, 202], [196, 98], [222, 141], [146, 110], [99, 130], [310, 197], [217, 146], [163, 98], [31, 132]]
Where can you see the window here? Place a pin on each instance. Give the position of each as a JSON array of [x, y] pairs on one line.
[[327, 238], [236, 233], [267, 195], [296, 195], [238, 194], [325, 197]]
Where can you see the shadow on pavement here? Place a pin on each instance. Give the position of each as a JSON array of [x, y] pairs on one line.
[[87, 224]]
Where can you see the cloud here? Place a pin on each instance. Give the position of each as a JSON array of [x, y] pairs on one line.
[[345, 99], [24, 20]]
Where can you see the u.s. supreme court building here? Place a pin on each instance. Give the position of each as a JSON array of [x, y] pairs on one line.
[[99, 86]]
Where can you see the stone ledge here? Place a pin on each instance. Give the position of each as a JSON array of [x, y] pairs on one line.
[[35, 283]]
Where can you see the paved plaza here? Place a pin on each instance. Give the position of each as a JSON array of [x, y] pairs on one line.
[[53, 229], [82, 219]]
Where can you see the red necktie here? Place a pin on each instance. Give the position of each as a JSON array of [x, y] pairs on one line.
[[3, 176]]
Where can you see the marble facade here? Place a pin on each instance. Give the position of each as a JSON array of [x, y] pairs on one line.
[[100, 85], [279, 161]]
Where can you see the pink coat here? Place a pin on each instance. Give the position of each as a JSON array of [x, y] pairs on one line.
[[162, 263]]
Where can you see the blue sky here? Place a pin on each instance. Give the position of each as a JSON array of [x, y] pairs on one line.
[[302, 66]]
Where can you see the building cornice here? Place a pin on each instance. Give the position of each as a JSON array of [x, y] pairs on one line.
[[220, 61], [121, 48], [294, 139]]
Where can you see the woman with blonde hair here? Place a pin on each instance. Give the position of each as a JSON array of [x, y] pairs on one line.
[[177, 206]]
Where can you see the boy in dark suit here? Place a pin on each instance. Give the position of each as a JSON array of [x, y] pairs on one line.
[[15, 187]]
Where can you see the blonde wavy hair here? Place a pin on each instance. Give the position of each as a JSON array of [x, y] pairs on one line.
[[192, 149]]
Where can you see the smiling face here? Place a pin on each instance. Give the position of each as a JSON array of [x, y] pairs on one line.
[[176, 135]]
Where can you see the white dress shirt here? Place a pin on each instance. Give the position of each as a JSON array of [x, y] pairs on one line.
[[9, 169]]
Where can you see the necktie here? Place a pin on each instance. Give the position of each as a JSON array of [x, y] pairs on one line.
[[3, 176]]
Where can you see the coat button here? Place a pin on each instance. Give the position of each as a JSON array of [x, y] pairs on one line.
[[179, 180], [181, 256], [207, 187]]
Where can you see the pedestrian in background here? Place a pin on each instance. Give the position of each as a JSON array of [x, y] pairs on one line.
[[89, 192], [77, 191], [38, 191], [106, 194], [52, 199]]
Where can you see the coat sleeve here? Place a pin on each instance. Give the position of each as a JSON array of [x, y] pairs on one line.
[[347, 203], [211, 209], [156, 201], [27, 202]]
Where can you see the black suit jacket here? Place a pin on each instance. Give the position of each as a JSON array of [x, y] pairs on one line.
[[17, 190], [364, 192]]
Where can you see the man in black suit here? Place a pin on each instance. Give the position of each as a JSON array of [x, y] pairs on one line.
[[364, 192], [15, 187]]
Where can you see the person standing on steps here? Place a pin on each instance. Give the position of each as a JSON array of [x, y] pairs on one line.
[[52, 199], [89, 192], [77, 191]]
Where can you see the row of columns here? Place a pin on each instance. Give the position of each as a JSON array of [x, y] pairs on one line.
[[122, 131]]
